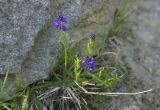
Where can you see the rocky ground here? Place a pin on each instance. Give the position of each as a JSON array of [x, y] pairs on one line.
[[141, 52]]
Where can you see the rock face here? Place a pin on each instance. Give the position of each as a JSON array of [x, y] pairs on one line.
[[142, 54], [28, 41], [20, 21]]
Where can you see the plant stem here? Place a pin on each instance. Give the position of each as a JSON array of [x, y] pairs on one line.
[[110, 93], [65, 48], [65, 58], [90, 46]]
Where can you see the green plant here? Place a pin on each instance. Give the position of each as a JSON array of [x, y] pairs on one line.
[[73, 74], [75, 77], [121, 19], [18, 101]]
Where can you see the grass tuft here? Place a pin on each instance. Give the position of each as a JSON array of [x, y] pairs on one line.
[[121, 19]]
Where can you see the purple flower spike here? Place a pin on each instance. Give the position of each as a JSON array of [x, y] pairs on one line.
[[93, 36], [64, 28], [56, 23], [88, 64], [91, 70], [63, 18], [60, 22]]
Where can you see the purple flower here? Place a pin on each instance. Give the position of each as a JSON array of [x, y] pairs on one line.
[[60, 22], [93, 36], [88, 64]]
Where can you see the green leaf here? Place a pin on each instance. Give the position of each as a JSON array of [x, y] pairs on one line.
[[38, 103], [6, 107], [77, 68], [5, 79]]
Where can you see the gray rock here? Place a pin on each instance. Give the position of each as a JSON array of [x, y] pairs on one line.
[[28, 40]]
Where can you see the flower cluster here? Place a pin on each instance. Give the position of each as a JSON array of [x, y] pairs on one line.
[[92, 36], [60, 22], [88, 64]]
